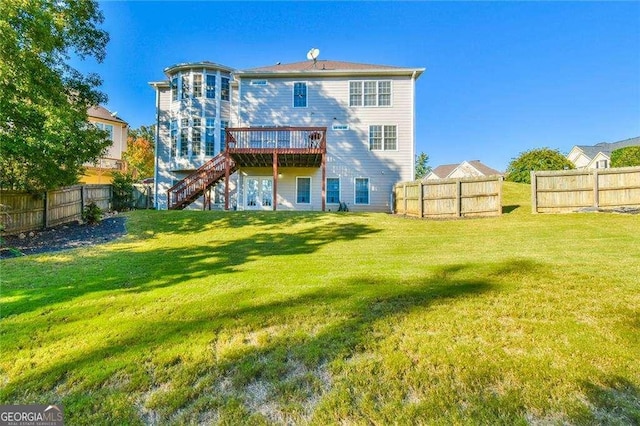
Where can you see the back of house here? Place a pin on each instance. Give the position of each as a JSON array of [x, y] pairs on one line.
[[302, 136]]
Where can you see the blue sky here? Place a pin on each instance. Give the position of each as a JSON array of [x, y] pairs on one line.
[[501, 77]]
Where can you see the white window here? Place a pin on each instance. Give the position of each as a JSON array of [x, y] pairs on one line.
[[211, 86], [370, 93], [299, 95], [383, 138], [333, 191], [184, 137], [223, 134], [303, 190], [174, 88], [174, 137], [185, 86], [362, 191], [196, 137], [224, 89], [197, 85], [106, 127], [209, 137]]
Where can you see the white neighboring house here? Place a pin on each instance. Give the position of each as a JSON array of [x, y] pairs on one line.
[[465, 169], [598, 156], [300, 136]]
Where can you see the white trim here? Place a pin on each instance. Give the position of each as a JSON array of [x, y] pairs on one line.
[[382, 149], [362, 94], [327, 190], [293, 94], [310, 189], [245, 181], [355, 191]]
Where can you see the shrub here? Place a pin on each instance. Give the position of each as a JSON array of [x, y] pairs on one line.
[[92, 213], [123, 191], [519, 169], [626, 157]]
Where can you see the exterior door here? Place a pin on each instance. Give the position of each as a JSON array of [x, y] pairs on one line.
[[258, 193]]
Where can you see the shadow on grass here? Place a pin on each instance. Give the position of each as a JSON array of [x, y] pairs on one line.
[[510, 208], [355, 307], [142, 271], [617, 401]]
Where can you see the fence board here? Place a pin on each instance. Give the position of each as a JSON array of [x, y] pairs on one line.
[[571, 190], [25, 212], [449, 198]]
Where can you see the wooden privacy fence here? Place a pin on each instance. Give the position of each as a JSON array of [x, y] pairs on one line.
[[22, 211], [450, 198], [572, 190]]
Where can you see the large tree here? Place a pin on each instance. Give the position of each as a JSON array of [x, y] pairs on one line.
[[519, 169], [626, 157], [422, 166], [140, 152], [44, 135]]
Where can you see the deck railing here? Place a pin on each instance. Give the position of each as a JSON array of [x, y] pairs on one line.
[[280, 138]]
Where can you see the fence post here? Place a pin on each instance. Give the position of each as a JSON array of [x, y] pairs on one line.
[[404, 198], [421, 199], [534, 192], [596, 192], [46, 210], [82, 199], [458, 198]]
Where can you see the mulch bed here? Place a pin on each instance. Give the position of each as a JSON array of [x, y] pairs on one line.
[[63, 237]]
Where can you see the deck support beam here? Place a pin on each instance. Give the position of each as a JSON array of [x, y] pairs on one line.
[[227, 166], [274, 201], [324, 181]]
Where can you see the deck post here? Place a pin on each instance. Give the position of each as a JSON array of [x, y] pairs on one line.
[[274, 201], [226, 180], [324, 181]]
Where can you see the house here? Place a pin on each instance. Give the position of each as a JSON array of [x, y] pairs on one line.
[[598, 156], [101, 172], [300, 136], [465, 169]]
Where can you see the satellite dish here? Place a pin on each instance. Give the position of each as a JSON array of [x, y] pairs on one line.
[[312, 55]]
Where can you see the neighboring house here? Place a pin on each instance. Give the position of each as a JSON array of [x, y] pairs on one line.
[[301, 136], [101, 172], [598, 156], [465, 169]]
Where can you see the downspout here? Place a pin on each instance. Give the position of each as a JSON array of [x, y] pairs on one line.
[[413, 124]]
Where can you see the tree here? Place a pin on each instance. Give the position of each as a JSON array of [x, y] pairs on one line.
[[140, 152], [422, 167], [45, 137], [519, 169], [626, 157]]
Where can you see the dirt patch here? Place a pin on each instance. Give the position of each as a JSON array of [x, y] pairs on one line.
[[63, 237]]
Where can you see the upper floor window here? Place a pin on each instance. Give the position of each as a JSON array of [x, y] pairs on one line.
[[370, 93], [299, 95], [209, 137], [211, 86], [224, 89], [107, 127], [383, 138], [174, 88], [223, 134], [174, 137], [185, 86], [196, 137], [197, 85]]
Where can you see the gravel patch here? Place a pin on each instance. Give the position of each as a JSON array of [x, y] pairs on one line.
[[63, 237]]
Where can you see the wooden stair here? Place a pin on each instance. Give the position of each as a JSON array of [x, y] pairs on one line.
[[193, 186]]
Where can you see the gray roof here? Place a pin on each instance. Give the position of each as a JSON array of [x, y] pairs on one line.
[[446, 169], [608, 147], [101, 112]]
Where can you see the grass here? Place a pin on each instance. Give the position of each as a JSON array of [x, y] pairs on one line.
[[257, 318]]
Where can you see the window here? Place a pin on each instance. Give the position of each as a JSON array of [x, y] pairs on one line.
[[211, 86], [209, 139], [185, 86], [383, 138], [333, 190], [300, 95], [197, 85], [106, 127], [174, 88], [303, 190], [196, 137], [174, 137], [224, 89], [184, 141], [601, 164], [223, 135], [370, 93], [362, 191], [355, 93]]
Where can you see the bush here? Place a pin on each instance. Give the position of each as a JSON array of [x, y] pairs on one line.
[[92, 213], [626, 157], [122, 191], [519, 169]]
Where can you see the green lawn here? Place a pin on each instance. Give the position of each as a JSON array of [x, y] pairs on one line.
[[325, 318]]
